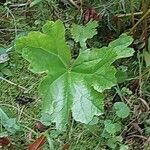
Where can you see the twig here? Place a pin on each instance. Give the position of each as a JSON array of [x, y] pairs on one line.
[[10, 82], [20, 112], [140, 20], [19, 5], [132, 12], [147, 69], [140, 74], [10, 30], [145, 6], [129, 14], [145, 103], [137, 136], [14, 19], [73, 3]]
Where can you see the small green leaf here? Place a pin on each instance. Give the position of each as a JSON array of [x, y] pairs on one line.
[[126, 91], [112, 143], [82, 33], [147, 130], [147, 58], [7, 72], [147, 121], [121, 76], [122, 110], [120, 46], [105, 134], [93, 121], [2, 50], [111, 128], [9, 123], [3, 116], [3, 65], [45, 119], [119, 138]]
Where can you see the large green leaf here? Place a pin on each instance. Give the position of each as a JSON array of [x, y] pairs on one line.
[[71, 87]]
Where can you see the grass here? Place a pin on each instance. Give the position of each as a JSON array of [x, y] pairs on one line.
[[82, 137]]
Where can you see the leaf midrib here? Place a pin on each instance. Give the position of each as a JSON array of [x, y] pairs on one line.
[[49, 52]]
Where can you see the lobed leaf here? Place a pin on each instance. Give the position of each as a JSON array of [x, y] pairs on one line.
[[120, 46], [112, 128], [82, 33], [70, 87]]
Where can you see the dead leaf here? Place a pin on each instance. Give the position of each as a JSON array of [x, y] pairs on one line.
[[65, 147], [38, 143], [40, 127], [91, 14], [134, 86], [4, 141]]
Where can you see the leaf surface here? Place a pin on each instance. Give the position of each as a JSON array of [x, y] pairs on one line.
[[4, 141], [146, 55], [82, 33], [122, 110], [10, 124], [71, 87], [112, 128], [38, 143], [120, 46]]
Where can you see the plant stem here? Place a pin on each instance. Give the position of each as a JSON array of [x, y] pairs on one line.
[[10, 82], [73, 3], [140, 74], [132, 12], [69, 128], [140, 20], [128, 14], [145, 25]]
